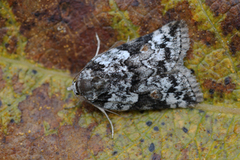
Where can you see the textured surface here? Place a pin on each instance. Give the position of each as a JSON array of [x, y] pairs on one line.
[[42, 42], [144, 74]]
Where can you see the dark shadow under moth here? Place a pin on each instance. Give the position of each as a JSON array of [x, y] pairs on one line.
[[144, 74]]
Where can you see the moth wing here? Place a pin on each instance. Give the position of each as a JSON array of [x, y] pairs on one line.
[[161, 50], [112, 79]]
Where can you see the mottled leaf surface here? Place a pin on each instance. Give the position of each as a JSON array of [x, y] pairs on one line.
[[44, 44]]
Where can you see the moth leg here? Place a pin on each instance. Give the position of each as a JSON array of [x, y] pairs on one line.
[[103, 111], [115, 113], [98, 47], [112, 112]]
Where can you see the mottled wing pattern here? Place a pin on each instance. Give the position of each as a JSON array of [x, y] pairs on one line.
[[146, 73], [160, 50]]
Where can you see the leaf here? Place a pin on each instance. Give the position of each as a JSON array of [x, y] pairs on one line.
[[44, 44]]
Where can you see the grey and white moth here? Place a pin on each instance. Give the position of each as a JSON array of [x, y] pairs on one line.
[[143, 74]]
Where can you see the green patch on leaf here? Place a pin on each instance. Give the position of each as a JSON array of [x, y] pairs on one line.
[[48, 130], [121, 22]]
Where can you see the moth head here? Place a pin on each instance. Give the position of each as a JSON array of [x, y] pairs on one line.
[[92, 88], [73, 87]]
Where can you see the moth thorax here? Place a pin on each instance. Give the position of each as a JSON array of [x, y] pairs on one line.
[[92, 88]]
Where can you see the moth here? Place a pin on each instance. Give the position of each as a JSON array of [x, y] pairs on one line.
[[143, 74]]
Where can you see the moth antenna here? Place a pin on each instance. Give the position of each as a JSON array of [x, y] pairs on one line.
[[103, 111], [115, 113], [112, 112], [98, 47], [128, 39]]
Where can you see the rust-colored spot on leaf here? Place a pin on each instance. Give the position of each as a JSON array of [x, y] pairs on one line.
[[40, 107], [2, 81], [185, 153], [73, 141], [180, 12], [219, 6], [146, 14], [207, 37], [231, 8], [11, 46], [3, 29], [29, 133], [190, 53], [235, 44], [156, 156], [95, 144], [124, 5], [220, 88], [8, 142], [62, 35], [232, 21], [17, 86]]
